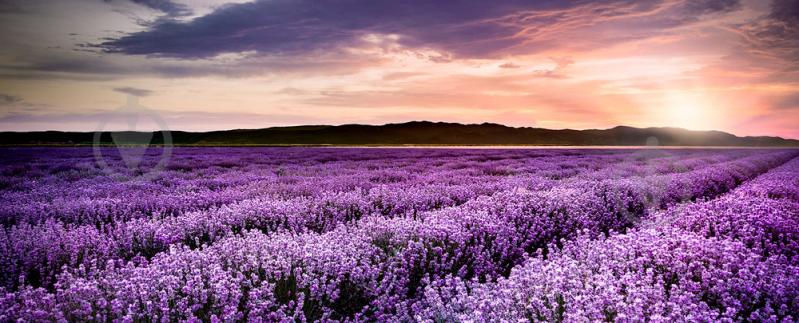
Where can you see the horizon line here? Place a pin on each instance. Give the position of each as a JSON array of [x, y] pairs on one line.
[[408, 122]]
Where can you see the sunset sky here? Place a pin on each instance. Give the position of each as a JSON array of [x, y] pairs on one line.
[[210, 64]]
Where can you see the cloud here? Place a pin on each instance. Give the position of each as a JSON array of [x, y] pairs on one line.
[[106, 67], [170, 8], [560, 64], [133, 91], [6, 99], [266, 37], [166, 6], [8, 6], [775, 37], [509, 65], [460, 29], [790, 101], [401, 76]]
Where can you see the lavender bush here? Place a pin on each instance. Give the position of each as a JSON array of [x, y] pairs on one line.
[[226, 234]]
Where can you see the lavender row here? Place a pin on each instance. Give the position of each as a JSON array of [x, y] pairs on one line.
[[657, 275], [499, 236], [763, 214], [33, 255], [41, 250], [732, 258], [377, 269], [74, 190]]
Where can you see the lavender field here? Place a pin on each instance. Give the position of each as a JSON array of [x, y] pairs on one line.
[[433, 235]]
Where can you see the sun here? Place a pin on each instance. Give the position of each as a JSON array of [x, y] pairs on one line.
[[688, 110]]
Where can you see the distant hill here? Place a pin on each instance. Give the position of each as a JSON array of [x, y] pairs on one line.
[[418, 133]]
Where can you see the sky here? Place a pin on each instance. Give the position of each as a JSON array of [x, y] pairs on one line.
[[198, 65]]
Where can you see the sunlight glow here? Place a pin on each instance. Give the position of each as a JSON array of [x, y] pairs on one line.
[[688, 110]]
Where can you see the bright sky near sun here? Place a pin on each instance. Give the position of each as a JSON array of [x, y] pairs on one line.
[[205, 65]]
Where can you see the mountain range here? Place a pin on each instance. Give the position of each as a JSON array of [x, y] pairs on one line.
[[410, 133]]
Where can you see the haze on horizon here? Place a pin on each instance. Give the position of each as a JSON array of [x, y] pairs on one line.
[[729, 65]]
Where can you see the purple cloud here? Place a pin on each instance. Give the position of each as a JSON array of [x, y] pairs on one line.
[[776, 36], [170, 8], [463, 28]]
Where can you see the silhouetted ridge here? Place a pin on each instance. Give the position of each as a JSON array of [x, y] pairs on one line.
[[420, 133]]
